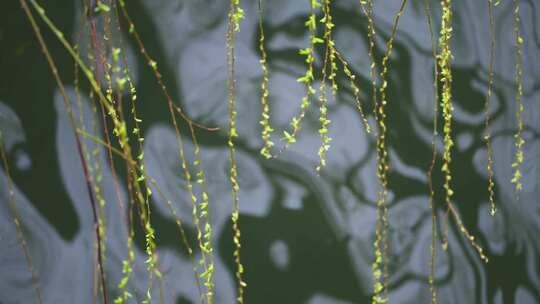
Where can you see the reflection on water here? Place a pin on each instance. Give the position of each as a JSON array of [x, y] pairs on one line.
[[306, 238]]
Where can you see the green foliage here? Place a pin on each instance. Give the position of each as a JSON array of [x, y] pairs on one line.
[[237, 14], [129, 142], [102, 7]]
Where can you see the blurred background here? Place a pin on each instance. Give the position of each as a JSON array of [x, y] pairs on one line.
[[306, 238]]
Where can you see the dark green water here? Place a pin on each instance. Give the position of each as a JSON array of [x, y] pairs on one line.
[[305, 238]]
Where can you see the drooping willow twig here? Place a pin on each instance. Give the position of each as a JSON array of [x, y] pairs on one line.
[[380, 256], [380, 284], [518, 136], [233, 25], [93, 11], [201, 212], [444, 57], [267, 129], [133, 181], [206, 253], [136, 175], [204, 246], [289, 136], [134, 186], [99, 60], [12, 203], [487, 127], [329, 69], [182, 232], [355, 89], [123, 297], [204, 213], [129, 261], [380, 265], [153, 64], [367, 9], [67, 105], [120, 132], [94, 171], [433, 247], [97, 51]]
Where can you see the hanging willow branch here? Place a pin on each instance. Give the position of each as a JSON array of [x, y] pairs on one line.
[[235, 15], [120, 132], [289, 136], [518, 136], [199, 211], [380, 265], [17, 221], [267, 129], [138, 181], [487, 128], [367, 9], [67, 105], [96, 152], [328, 72], [444, 57], [356, 90], [433, 247]]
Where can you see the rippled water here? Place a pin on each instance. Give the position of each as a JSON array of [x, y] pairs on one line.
[[306, 238]]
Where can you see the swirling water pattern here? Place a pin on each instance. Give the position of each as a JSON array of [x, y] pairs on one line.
[[306, 238]]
